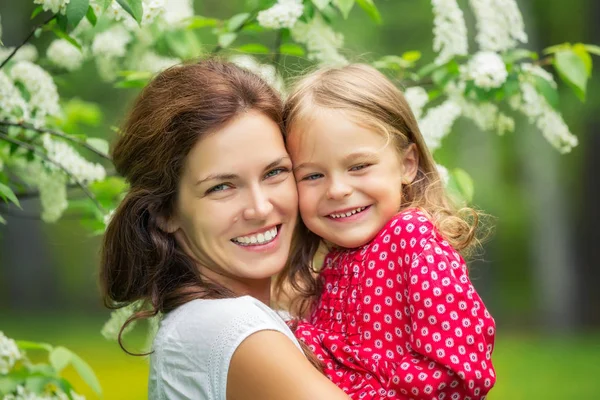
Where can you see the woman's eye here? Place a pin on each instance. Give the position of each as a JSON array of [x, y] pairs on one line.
[[359, 167], [312, 177], [218, 188], [275, 172]]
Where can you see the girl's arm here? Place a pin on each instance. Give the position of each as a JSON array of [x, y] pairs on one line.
[[267, 365]]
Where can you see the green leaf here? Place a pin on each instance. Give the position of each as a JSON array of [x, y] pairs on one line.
[[61, 34], [3, 222], [133, 8], [226, 39], [371, 9], [201, 22], [91, 16], [518, 54], [345, 6], [292, 49], [556, 48], [427, 69], [7, 194], [7, 383], [76, 10], [99, 144], [36, 11], [412, 56], [392, 62], [37, 384], [461, 185], [582, 52], [548, 91], [62, 21], [27, 345], [237, 21], [254, 48], [321, 4], [592, 49], [60, 358], [572, 70], [86, 373]]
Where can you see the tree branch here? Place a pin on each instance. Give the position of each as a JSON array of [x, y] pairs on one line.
[[11, 55], [5, 137], [30, 127]]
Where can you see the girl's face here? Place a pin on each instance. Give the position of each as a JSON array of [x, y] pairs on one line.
[[237, 204], [349, 178]]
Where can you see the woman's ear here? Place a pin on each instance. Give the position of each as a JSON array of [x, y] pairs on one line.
[[410, 164], [168, 225]]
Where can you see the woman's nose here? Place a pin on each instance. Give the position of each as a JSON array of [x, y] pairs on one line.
[[260, 205]]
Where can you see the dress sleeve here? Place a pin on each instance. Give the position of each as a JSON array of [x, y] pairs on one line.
[[452, 333]]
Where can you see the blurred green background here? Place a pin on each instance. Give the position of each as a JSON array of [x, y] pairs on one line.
[[538, 273]]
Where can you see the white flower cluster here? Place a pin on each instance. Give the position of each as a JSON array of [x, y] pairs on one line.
[[154, 63], [265, 71], [536, 70], [449, 30], [284, 14], [443, 173], [438, 122], [53, 5], [486, 69], [23, 393], [417, 98], [12, 103], [111, 43], [151, 10], [177, 11], [321, 41], [499, 23], [27, 52], [64, 155], [486, 116], [549, 122], [43, 95], [9, 353], [63, 54]]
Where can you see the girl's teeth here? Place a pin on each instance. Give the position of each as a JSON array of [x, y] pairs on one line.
[[349, 213], [261, 238]]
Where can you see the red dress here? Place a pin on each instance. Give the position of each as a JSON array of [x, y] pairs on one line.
[[399, 318]]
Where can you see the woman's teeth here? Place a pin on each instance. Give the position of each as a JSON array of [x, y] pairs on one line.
[[260, 238], [347, 214]]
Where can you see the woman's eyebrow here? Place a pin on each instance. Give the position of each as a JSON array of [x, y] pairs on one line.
[[219, 177], [277, 162]]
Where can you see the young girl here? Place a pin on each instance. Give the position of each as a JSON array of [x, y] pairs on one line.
[[392, 313]]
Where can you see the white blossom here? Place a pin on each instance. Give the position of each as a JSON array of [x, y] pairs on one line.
[[417, 98], [27, 52], [151, 10], [321, 41], [9, 353], [438, 122], [486, 69], [108, 217], [177, 11], [43, 95], [265, 71], [12, 103], [63, 54], [487, 116], [22, 393], [449, 30], [499, 23], [538, 71], [549, 122], [443, 173], [284, 14], [63, 154], [113, 326], [111, 43], [154, 63], [53, 5]]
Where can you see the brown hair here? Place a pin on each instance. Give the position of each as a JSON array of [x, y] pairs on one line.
[[181, 105], [373, 101]]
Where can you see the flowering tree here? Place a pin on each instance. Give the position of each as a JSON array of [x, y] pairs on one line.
[[42, 134]]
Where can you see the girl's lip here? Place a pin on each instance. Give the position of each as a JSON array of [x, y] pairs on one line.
[[351, 217]]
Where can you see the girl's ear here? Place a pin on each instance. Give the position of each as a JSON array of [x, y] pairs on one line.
[[410, 164]]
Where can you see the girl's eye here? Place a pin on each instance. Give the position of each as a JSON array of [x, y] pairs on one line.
[[218, 188], [275, 172], [312, 177], [359, 167]]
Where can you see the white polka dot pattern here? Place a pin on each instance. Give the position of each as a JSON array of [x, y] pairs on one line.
[[399, 318]]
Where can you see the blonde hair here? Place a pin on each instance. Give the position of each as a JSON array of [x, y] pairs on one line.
[[372, 101]]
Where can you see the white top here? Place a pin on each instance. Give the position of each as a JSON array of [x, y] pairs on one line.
[[195, 342]]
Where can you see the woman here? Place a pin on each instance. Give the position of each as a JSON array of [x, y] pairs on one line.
[[207, 222]]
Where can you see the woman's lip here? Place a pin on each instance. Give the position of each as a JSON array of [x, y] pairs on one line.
[[261, 230], [273, 244]]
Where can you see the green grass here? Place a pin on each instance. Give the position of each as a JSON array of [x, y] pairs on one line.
[[528, 367]]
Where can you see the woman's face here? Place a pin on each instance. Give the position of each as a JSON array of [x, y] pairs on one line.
[[237, 203]]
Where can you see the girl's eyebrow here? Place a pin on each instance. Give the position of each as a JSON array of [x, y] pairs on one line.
[[347, 159]]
